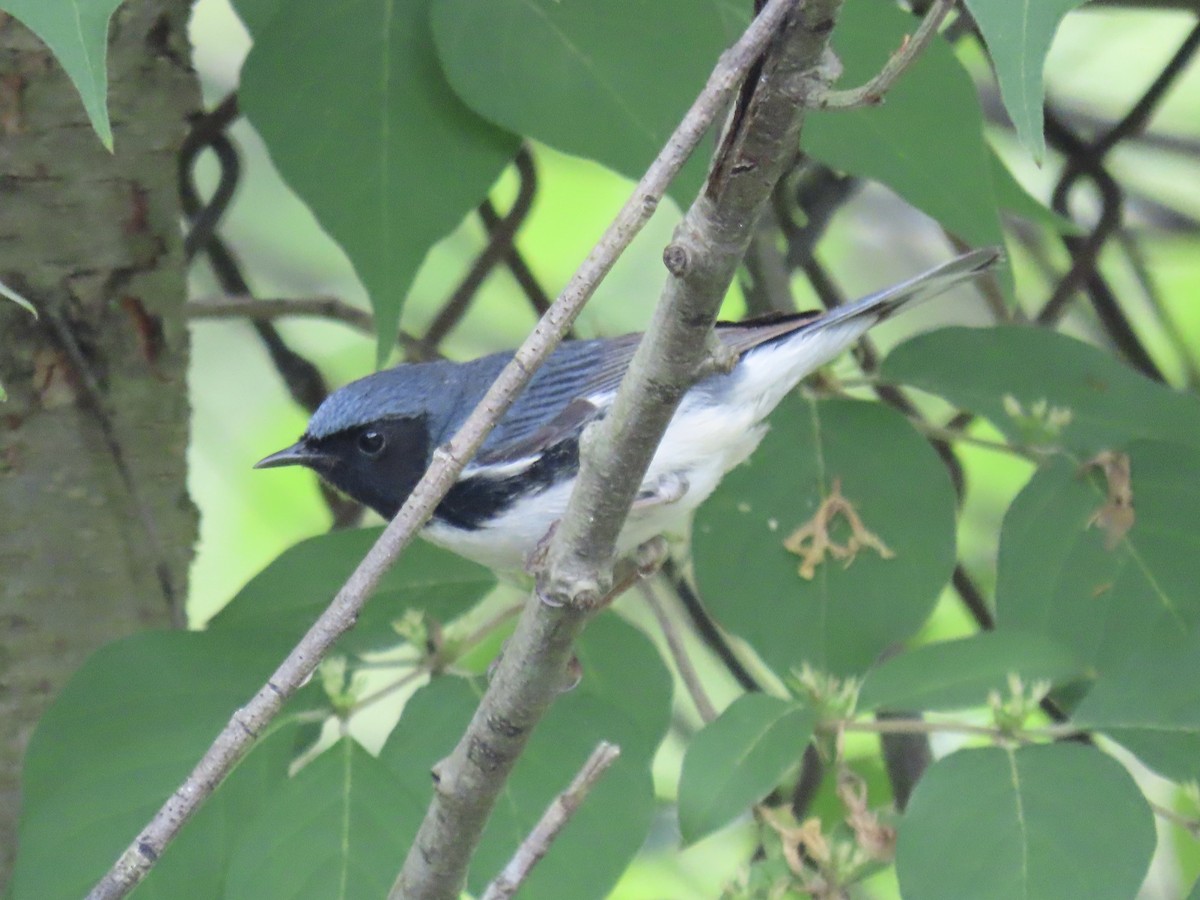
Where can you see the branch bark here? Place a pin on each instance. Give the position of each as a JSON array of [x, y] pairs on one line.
[[236, 739], [702, 259]]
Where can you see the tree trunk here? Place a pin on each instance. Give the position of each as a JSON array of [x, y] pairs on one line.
[[96, 527]]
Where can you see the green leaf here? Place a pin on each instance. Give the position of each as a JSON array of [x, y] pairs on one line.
[[738, 759], [256, 15], [624, 697], [1049, 821], [361, 123], [1057, 577], [195, 864], [282, 601], [848, 614], [1014, 199], [127, 728], [1151, 704], [960, 673], [607, 81], [76, 31], [904, 141], [330, 832], [1018, 37], [1109, 403]]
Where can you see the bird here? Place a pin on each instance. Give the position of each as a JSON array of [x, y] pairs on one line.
[[373, 439]]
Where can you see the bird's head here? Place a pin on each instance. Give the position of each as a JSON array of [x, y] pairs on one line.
[[371, 439]]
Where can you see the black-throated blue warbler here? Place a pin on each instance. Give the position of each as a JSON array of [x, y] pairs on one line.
[[373, 438]]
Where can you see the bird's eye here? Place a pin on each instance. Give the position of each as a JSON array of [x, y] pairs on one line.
[[371, 442]]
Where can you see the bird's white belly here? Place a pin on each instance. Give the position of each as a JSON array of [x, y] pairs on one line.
[[699, 446]]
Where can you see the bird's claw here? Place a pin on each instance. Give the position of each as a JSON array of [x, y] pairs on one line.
[[670, 487]]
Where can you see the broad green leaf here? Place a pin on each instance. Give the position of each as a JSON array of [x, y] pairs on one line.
[[76, 31], [196, 862], [1018, 37], [1109, 403], [850, 611], [1057, 577], [906, 141], [624, 697], [331, 831], [256, 15], [127, 728], [1151, 704], [738, 759], [282, 601], [1049, 821], [960, 673], [361, 123], [607, 81]]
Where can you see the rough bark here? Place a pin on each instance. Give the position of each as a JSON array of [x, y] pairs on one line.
[[93, 240]]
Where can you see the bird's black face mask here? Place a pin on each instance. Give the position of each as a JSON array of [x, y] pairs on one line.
[[377, 464]]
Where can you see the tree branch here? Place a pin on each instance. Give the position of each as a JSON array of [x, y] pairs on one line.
[[555, 818], [683, 663], [702, 258], [236, 739], [243, 306], [871, 93]]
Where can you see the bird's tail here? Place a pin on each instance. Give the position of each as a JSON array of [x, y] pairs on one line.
[[777, 354], [916, 290]]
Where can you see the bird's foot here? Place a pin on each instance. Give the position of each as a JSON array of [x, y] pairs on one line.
[[670, 487]]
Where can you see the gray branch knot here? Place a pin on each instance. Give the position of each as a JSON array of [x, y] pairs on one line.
[[676, 259]]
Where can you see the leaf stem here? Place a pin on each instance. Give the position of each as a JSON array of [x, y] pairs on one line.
[[871, 93]]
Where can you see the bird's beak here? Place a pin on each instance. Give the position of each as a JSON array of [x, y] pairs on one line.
[[299, 454]]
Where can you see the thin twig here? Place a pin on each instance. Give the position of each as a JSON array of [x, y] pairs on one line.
[[924, 726], [553, 820], [683, 662], [958, 436], [972, 598], [436, 662], [871, 93], [242, 306], [708, 629], [237, 737], [1187, 823]]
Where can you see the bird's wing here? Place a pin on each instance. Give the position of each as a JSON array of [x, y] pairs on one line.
[[574, 386], [577, 385]]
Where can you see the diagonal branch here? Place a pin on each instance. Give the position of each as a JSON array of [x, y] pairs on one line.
[[702, 258], [236, 739]]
